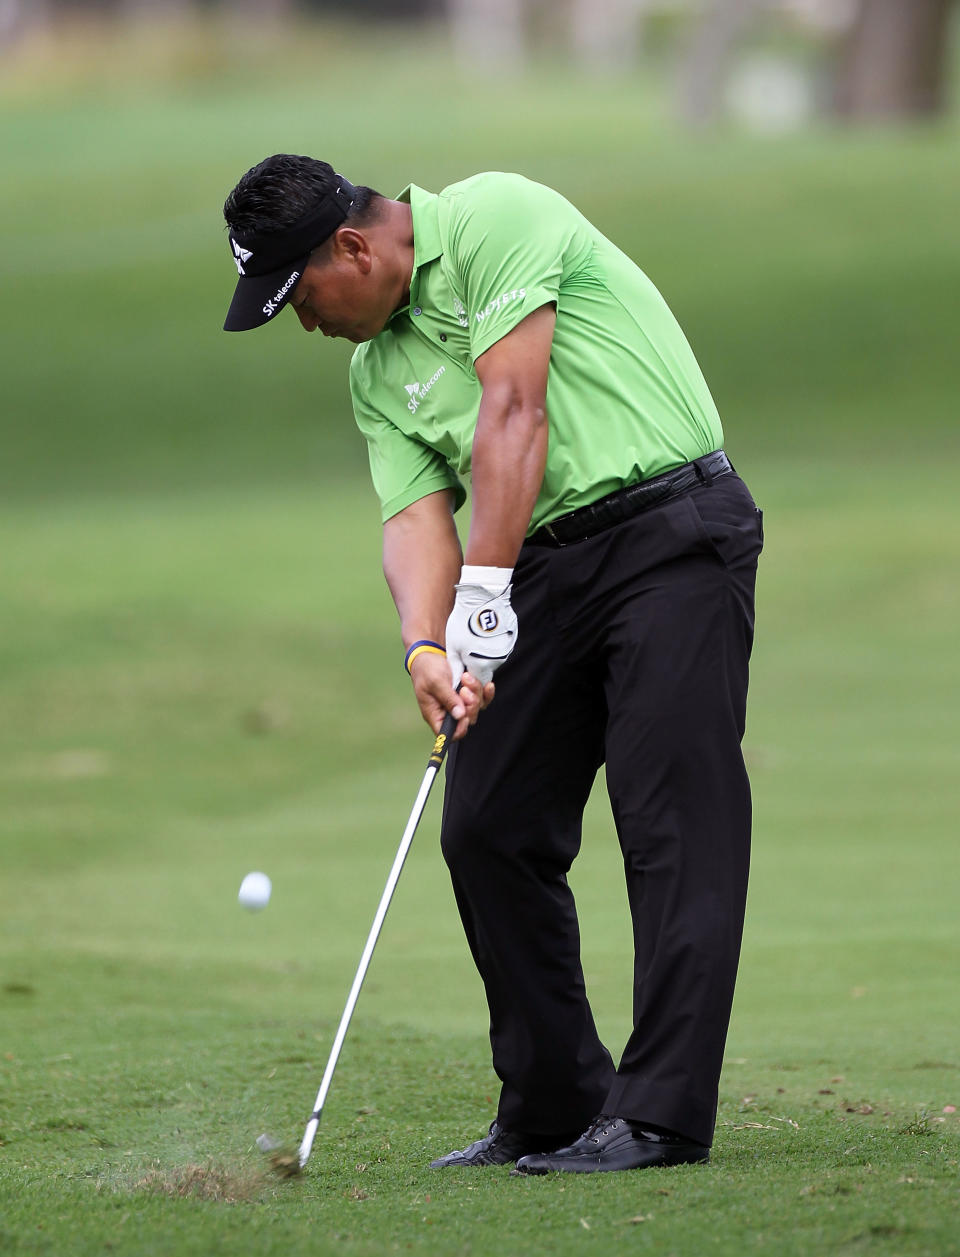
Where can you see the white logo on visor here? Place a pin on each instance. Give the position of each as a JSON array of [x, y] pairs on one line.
[[274, 305], [240, 256]]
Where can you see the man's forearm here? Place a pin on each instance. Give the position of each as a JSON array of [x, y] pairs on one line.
[[510, 443], [509, 456], [421, 561]]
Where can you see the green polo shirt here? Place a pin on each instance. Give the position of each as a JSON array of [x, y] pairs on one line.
[[625, 397]]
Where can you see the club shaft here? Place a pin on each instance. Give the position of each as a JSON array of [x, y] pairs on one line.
[[436, 759]]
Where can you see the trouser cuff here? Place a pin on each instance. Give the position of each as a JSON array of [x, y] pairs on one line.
[[640, 1100]]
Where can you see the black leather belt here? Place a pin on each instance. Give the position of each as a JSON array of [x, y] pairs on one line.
[[587, 521]]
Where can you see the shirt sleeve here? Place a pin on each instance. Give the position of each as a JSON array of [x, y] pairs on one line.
[[507, 239], [402, 468]]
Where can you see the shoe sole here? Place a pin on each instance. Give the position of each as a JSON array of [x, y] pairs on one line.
[[665, 1163]]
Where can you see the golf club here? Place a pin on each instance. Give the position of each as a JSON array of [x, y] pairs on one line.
[[437, 755]]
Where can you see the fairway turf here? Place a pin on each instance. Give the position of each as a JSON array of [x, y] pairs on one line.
[[201, 675], [152, 1029]]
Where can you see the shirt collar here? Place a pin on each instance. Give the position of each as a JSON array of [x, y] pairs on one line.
[[426, 234]]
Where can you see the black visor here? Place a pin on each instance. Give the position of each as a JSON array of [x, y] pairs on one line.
[[270, 264]]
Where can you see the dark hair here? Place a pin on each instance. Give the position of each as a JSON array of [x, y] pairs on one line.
[[277, 192]]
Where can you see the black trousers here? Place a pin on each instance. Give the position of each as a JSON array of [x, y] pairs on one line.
[[632, 651]]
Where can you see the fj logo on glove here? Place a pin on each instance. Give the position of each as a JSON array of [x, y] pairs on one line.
[[487, 620], [482, 627]]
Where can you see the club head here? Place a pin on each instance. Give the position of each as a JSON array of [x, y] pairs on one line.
[[282, 1161]]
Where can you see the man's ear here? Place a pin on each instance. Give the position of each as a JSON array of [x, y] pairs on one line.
[[352, 246]]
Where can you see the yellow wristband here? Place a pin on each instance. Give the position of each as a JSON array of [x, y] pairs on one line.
[[421, 648]]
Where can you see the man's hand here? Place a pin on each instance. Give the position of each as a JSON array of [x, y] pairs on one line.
[[436, 696], [482, 628]]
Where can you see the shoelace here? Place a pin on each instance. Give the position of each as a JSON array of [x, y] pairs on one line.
[[599, 1127]]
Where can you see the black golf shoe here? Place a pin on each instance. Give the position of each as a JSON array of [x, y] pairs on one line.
[[613, 1143], [499, 1147]]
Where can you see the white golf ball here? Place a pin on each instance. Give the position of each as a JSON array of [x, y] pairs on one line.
[[255, 891]]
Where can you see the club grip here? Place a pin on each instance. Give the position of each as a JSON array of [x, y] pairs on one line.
[[442, 744]]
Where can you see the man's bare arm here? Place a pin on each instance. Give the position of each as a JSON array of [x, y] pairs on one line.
[[421, 561], [510, 443], [421, 550]]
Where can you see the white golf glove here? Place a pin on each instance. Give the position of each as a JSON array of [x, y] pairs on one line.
[[482, 628]]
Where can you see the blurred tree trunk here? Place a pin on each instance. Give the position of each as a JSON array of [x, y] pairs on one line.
[[142, 9], [894, 63], [704, 67], [261, 10], [19, 18], [604, 32], [488, 32]]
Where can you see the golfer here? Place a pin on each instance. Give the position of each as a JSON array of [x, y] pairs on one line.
[[608, 581]]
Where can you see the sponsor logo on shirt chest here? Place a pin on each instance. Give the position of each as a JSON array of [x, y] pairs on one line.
[[417, 392]]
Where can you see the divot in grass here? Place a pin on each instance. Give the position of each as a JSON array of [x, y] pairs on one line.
[[203, 1182]]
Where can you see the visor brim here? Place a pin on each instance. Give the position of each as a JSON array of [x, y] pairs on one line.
[[258, 299]]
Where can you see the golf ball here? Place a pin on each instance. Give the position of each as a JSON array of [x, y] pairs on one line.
[[255, 891]]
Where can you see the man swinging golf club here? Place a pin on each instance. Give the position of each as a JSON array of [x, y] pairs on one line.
[[608, 580]]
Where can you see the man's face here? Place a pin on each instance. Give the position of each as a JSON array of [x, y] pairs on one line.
[[342, 298]]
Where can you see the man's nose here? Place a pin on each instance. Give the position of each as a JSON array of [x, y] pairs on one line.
[[308, 320]]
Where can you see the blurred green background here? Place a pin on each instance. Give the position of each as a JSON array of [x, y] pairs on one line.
[[199, 660]]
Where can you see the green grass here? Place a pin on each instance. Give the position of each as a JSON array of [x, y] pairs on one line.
[[200, 676], [209, 684]]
